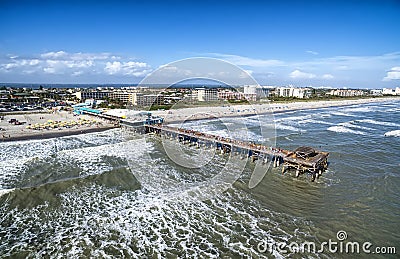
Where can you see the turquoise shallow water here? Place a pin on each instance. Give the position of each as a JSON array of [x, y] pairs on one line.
[[117, 194]]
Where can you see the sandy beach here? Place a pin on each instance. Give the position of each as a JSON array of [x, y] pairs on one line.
[[11, 132], [199, 113]]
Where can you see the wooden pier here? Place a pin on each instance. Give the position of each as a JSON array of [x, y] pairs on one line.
[[302, 160]]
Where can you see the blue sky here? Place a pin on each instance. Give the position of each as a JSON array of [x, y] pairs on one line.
[[318, 43]]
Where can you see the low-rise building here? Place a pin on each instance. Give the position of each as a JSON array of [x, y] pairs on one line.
[[390, 91], [376, 92], [295, 92], [123, 96], [258, 90], [235, 95], [206, 94], [91, 94], [346, 92], [140, 99]]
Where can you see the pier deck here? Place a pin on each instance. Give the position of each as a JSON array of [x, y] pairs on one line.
[[303, 159]]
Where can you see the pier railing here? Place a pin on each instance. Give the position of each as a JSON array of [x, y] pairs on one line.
[[313, 162]]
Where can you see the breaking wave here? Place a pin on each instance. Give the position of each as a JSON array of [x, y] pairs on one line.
[[382, 123], [393, 133], [342, 129]]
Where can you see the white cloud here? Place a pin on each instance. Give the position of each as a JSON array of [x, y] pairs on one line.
[[392, 74], [78, 56], [74, 64], [342, 67], [250, 72], [350, 62], [356, 71], [246, 61], [327, 76], [113, 68], [301, 75], [77, 73], [8, 67], [132, 68], [53, 55], [34, 62], [342, 63], [312, 52], [49, 70]]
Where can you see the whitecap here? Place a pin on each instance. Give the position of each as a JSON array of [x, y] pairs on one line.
[[315, 122], [5, 191], [383, 123], [392, 110], [359, 109], [343, 114], [351, 124], [393, 133], [343, 129], [292, 119], [288, 127]]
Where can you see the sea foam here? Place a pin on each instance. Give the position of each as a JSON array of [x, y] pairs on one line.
[[393, 133], [342, 129], [383, 123]]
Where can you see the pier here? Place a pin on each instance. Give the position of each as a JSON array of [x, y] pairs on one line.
[[95, 112], [302, 160]]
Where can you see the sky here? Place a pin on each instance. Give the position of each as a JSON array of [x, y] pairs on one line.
[[354, 44]]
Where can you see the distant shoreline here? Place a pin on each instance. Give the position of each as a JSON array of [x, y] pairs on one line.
[[204, 113], [194, 114]]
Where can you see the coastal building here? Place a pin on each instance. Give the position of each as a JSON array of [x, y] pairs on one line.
[[258, 90], [171, 99], [140, 99], [123, 96], [93, 102], [206, 94], [264, 91], [346, 92], [390, 91], [376, 92], [293, 92], [235, 95], [250, 89], [91, 94]]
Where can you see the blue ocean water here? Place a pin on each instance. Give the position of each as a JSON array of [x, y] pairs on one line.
[[102, 194]]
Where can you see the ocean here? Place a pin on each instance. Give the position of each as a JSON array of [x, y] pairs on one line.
[[117, 194]]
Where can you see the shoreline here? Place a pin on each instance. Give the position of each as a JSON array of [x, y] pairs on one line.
[[49, 125], [204, 113], [194, 114], [55, 134]]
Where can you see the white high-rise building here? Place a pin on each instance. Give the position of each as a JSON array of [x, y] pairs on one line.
[[206, 94], [250, 89], [390, 91], [259, 91], [291, 91]]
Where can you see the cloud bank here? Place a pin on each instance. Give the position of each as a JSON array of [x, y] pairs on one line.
[[392, 74], [73, 65]]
